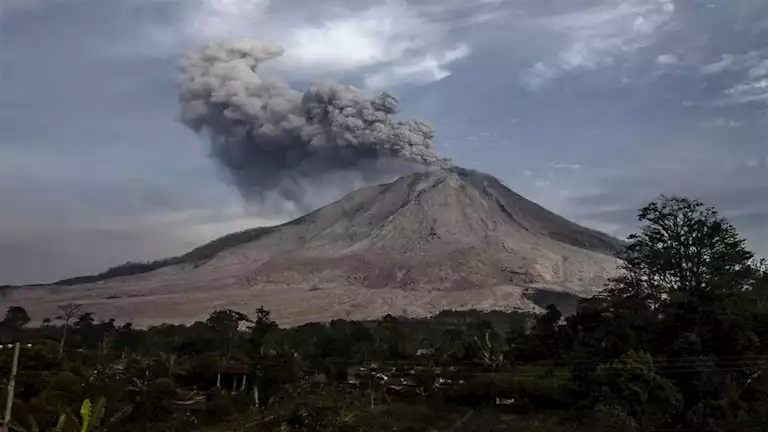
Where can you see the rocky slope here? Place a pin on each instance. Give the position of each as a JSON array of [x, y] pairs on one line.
[[429, 241]]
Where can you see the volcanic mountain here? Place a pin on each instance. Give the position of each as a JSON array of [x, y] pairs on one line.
[[443, 239]]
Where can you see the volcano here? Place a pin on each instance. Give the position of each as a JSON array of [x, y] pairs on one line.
[[445, 239]]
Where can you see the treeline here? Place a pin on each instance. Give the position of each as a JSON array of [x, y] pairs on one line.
[[139, 372], [678, 342]]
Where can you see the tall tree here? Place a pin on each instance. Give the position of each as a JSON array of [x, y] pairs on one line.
[[683, 274], [68, 311], [260, 327], [684, 249], [16, 317], [227, 323]]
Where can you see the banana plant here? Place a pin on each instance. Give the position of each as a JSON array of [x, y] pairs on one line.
[[91, 416], [491, 355], [60, 426], [90, 419]]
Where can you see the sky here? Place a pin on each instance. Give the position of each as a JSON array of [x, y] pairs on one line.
[[589, 107]]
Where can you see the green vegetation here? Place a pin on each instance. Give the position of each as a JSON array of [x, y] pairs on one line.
[[678, 342]]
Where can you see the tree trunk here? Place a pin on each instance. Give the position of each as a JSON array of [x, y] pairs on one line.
[[63, 338]]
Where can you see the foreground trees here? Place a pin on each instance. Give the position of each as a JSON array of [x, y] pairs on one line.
[[693, 297]]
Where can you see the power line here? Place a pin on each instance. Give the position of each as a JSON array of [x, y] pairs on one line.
[[656, 362]]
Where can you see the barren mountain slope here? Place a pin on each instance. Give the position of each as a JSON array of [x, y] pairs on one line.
[[444, 239]]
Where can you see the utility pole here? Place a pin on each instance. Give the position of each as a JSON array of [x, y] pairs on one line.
[[11, 385]]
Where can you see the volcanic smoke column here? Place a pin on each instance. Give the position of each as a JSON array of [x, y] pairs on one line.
[[271, 139]]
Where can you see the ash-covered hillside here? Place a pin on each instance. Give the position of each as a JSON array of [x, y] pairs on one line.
[[449, 238]]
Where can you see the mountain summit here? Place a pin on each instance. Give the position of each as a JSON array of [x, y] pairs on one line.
[[429, 241]]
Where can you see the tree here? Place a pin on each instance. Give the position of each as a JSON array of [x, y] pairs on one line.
[[391, 336], [63, 389], [543, 341], [227, 323], [16, 317], [259, 329], [517, 330], [68, 311], [633, 384], [490, 354], [683, 250], [263, 323], [680, 271], [84, 320]]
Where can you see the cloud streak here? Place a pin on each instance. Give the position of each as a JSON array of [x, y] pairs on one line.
[[599, 36]]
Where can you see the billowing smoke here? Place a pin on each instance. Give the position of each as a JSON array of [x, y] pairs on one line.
[[277, 144]]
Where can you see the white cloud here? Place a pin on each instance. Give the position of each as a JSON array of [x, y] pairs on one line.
[[393, 42], [668, 60], [539, 75], [418, 71], [216, 19], [753, 87], [198, 22], [748, 91], [358, 39], [564, 166], [753, 61], [721, 123], [598, 36], [726, 62], [760, 70], [745, 76]]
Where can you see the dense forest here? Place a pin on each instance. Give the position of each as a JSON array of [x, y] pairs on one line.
[[678, 342]]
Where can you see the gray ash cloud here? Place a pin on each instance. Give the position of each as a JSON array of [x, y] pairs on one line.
[[276, 143]]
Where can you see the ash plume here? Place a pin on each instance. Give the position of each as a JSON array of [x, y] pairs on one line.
[[276, 143]]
